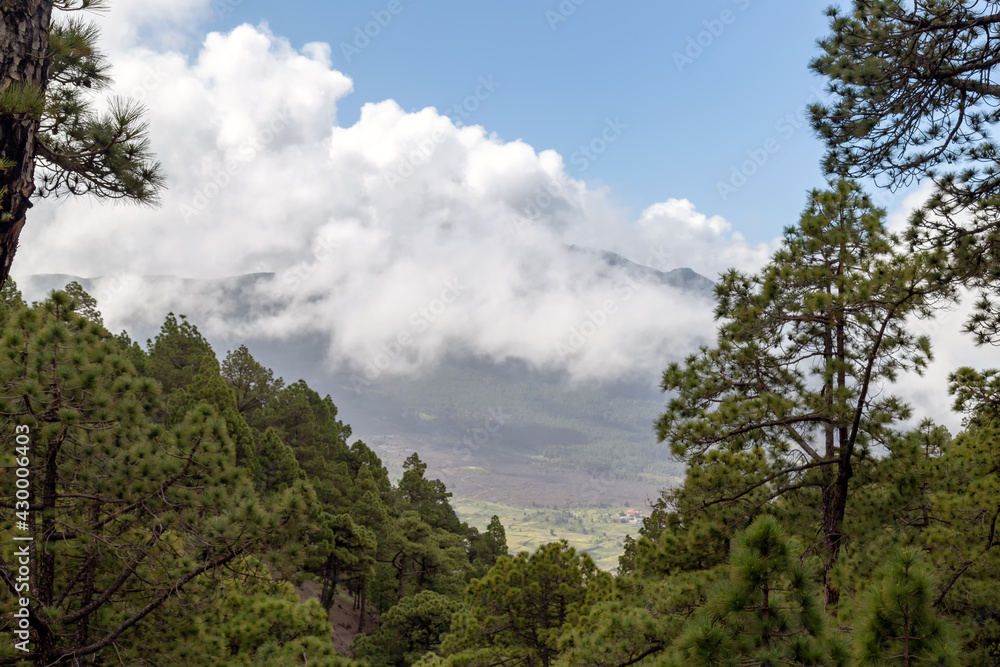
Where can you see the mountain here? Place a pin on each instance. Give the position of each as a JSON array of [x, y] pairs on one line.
[[499, 432], [684, 279]]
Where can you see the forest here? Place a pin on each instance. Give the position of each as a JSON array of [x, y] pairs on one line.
[[164, 507]]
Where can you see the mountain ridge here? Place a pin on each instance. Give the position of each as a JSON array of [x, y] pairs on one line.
[[596, 435]]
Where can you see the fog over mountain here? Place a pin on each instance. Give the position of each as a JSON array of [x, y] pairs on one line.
[[570, 315], [554, 400], [393, 244], [406, 223]]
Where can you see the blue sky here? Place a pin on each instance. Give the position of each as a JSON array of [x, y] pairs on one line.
[[689, 122]]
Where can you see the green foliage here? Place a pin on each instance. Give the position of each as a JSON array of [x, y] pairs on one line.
[[518, 611], [343, 547], [278, 468], [21, 98], [428, 497], [86, 305], [132, 351], [638, 620], [127, 513], [309, 424], [485, 548], [69, 146], [897, 91], [81, 150], [790, 399], [10, 300], [208, 386], [176, 353], [899, 626], [960, 540], [768, 613], [422, 556], [913, 100], [236, 628], [409, 630], [976, 393], [254, 384]]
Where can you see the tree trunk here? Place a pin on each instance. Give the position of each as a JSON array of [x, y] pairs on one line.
[[331, 577], [829, 502], [402, 578], [45, 594], [834, 508], [24, 58], [364, 607], [835, 489]]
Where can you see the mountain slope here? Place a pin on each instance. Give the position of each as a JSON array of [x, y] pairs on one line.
[[540, 437]]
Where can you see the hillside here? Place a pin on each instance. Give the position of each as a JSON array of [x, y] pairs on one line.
[[542, 440]]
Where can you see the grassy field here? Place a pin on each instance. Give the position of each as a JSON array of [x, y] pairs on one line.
[[597, 531]]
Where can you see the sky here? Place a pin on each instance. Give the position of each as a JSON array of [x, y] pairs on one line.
[[701, 86], [416, 171]]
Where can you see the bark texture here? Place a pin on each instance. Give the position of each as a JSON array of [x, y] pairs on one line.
[[24, 58]]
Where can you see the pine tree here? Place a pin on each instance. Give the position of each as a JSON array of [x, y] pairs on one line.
[[899, 627], [494, 542], [342, 548], [278, 468], [48, 69], [10, 300], [517, 613], [86, 305], [964, 515], [236, 624], [428, 497], [913, 100], [124, 513], [132, 351], [174, 356], [309, 425], [409, 630], [254, 384], [767, 614], [912, 93], [785, 402], [417, 556], [207, 385]]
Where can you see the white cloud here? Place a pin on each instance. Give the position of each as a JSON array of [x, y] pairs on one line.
[[693, 238], [898, 218], [367, 225], [169, 23], [402, 226]]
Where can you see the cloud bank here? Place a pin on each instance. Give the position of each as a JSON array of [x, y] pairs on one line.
[[406, 234], [400, 239]]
